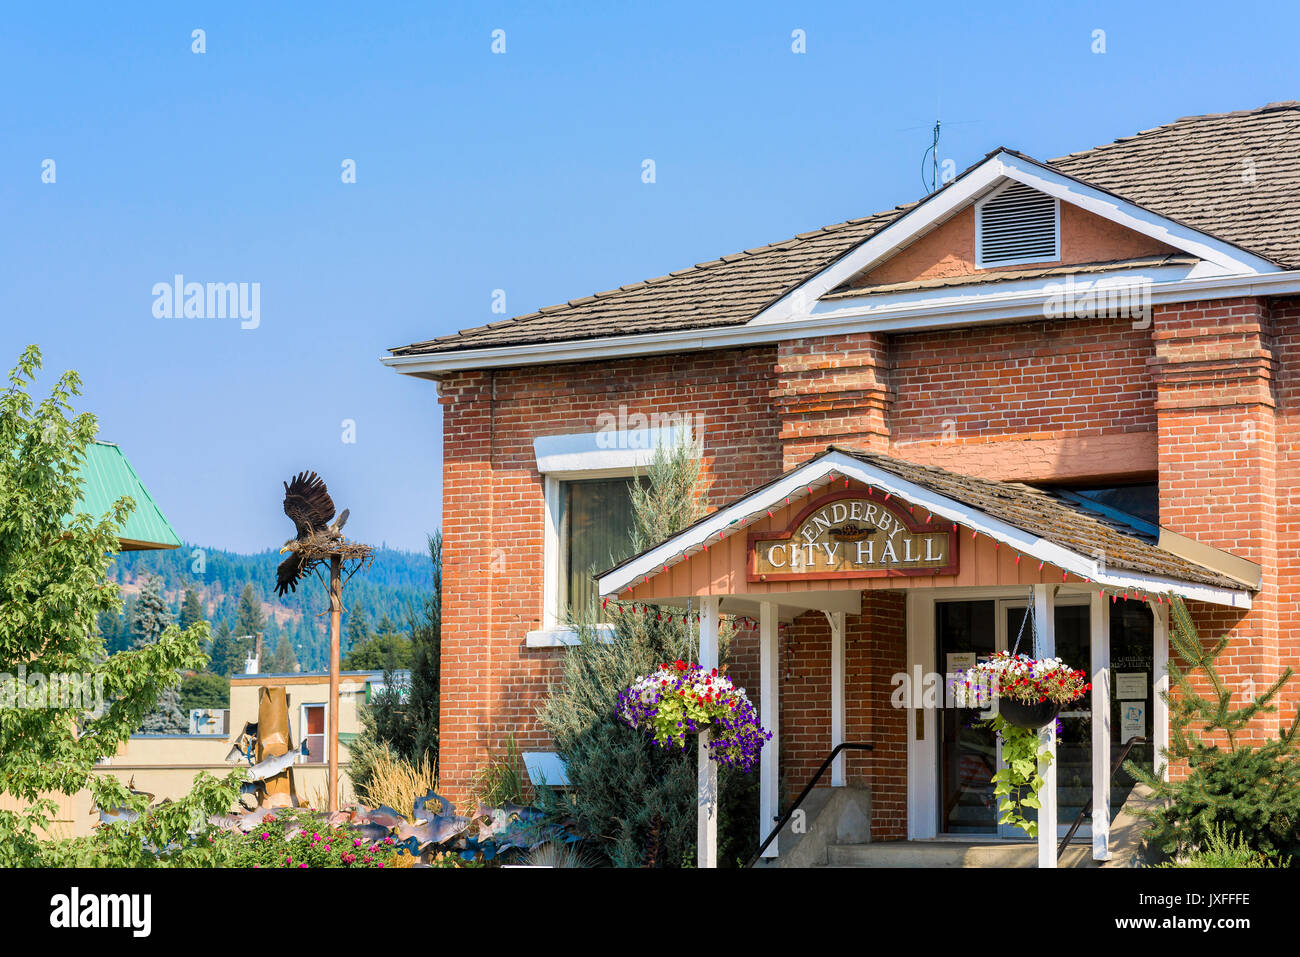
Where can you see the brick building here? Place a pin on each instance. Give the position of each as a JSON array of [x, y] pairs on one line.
[[1065, 386]]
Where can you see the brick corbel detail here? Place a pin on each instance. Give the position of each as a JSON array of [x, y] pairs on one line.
[[832, 389]]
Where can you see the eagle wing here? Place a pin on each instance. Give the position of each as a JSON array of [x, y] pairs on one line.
[[287, 574], [307, 502]]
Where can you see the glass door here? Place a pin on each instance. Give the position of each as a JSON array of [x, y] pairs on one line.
[[964, 632], [1074, 727]]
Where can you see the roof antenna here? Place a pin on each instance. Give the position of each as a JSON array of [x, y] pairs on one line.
[[933, 153]]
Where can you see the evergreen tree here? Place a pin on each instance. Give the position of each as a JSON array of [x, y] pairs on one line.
[[1234, 789], [358, 629], [407, 724], [191, 609], [282, 660], [227, 656], [204, 690], [626, 790], [250, 620], [150, 617]]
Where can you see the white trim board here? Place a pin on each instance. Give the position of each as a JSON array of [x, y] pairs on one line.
[[795, 484], [934, 312]]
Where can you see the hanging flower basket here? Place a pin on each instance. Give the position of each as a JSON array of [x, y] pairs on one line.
[[1031, 717], [1028, 689], [680, 700], [1029, 693]]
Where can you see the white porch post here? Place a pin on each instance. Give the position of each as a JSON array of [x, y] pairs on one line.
[[836, 619], [1045, 646], [769, 715], [1160, 684], [1099, 620], [707, 839]]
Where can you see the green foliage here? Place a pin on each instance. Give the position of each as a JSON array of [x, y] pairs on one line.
[[1253, 791], [407, 725], [395, 585], [53, 589], [633, 797], [202, 689], [1016, 786], [500, 781], [300, 839], [191, 609], [383, 651], [250, 619], [1220, 850], [149, 617], [150, 614], [172, 834], [282, 660], [227, 656]]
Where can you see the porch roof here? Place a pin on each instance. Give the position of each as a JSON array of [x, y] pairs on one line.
[[1096, 545]]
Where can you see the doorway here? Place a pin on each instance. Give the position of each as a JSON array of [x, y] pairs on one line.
[[968, 753]]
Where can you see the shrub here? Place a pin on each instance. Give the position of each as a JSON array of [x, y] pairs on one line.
[[1222, 851], [1253, 791]]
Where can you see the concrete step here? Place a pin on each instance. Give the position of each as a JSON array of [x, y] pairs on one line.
[[949, 854]]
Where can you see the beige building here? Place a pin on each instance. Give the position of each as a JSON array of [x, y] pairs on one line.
[[165, 765]]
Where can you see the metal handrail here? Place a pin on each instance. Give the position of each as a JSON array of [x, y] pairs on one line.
[[1087, 808], [785, 818]]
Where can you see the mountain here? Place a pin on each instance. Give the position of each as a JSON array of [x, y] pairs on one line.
[[395, 584]]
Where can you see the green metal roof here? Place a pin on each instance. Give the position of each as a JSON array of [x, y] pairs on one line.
[[107, 476]]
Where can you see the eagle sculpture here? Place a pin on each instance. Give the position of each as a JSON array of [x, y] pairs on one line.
[[308, 503]]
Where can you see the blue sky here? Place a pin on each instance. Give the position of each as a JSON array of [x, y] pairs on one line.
[[477, 171]]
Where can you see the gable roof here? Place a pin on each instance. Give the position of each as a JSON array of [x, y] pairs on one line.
[[1193, 171], [1058, 529]]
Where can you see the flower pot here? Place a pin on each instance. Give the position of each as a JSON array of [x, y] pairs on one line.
[[1028, 716]]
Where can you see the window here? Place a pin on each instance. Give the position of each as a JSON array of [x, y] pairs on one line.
[[1142, 501], [587, 479], [1017, 224], [596, 534], [313, 732]]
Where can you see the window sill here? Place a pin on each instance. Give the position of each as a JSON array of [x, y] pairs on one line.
[[562, 637]]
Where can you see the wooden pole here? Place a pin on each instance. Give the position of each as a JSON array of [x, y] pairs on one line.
[[336, 610]]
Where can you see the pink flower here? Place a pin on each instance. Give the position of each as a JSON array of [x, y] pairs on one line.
[[380, 864], [265, 835], [300, 866]]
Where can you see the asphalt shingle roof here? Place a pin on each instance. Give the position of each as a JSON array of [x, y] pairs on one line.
[[1049, 516], [1235, 176]]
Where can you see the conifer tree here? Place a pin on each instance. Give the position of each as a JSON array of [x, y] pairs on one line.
[[149, 618], [227, 656], [191, 609], [636, 795], [282, 660], [1235, 788]]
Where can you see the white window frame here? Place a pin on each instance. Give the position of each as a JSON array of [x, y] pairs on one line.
[[979, 231], [302, 728], [575, 458]]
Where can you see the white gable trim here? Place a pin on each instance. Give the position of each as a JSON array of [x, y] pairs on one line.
[[981, 180], [795, 484]]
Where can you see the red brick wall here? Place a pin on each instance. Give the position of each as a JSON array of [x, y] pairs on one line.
[[875, 649], [494, 516], [1029, 381], [1213, 387], [1214, 370]]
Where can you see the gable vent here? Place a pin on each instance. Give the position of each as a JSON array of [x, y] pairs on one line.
[[1017, 224]]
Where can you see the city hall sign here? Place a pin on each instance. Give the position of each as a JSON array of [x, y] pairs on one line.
[[853, 534]]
